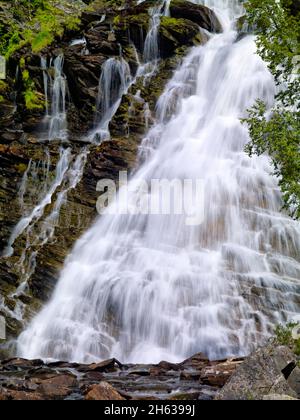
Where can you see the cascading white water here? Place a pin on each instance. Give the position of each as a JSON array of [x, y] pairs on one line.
[[58, 116], [23, 186], [116, 78], [148, 287], [55, 89], [38, 210], [68, 176], [114, 81], [38, 228], [151, 53], [151, 48]]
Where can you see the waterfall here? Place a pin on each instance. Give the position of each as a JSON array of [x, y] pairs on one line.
[[58, 116], [55, 88], [151, 48], [23, 186], [38, 227], [143, 288], [151, 53], [115, 78], [35, 183], [39, 209], [39, 236], [114, 81]]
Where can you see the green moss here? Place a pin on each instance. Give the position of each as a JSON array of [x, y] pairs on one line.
[[41, 41], [105, 4], [21, 167], [32, 99], [22, 63], [178, 26], [3, 87], [166, 20], [36, 24], [25, 76], [180, 31], [117, 20]]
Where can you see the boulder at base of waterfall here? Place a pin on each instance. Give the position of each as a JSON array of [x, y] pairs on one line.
[[202, 15], [103, 392], [59, 386], [218, 374], [265, 373]]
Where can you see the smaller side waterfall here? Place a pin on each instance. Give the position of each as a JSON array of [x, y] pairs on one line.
[[55, 88], [23, 186], [58, 117], [37, 228], [151, 53], [39, 209], [151, 48], [114, 81], [41, 234]]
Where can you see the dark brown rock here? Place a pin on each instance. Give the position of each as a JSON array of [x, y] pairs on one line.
[[59, 386], [201, 15], [103, 391], [106, 366], [218, 374]]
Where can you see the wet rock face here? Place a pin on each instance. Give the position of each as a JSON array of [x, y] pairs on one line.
[[110, 380]]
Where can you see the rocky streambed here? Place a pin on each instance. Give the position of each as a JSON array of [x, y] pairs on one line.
[[269, 374]]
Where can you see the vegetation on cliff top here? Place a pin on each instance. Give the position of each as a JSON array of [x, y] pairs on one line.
[[278, 41], [35, 23]]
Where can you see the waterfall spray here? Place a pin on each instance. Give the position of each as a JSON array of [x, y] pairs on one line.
[[145, 288]]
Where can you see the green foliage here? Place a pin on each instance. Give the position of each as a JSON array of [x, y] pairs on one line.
[[278, 36], [284, 337], [32, 99], [3, 87], [279, 137], [36, 23]]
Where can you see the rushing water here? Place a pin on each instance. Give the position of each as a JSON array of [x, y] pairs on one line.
[[57, 118], [38, 226], [148, 287], [116, 77], [114, 80], [38, 211]]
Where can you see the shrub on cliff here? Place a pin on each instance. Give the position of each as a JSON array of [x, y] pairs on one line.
[[289, 335]]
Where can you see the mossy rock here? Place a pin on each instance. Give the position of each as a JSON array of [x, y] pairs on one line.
[[132, 28], [199, 14], [174, 33]]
